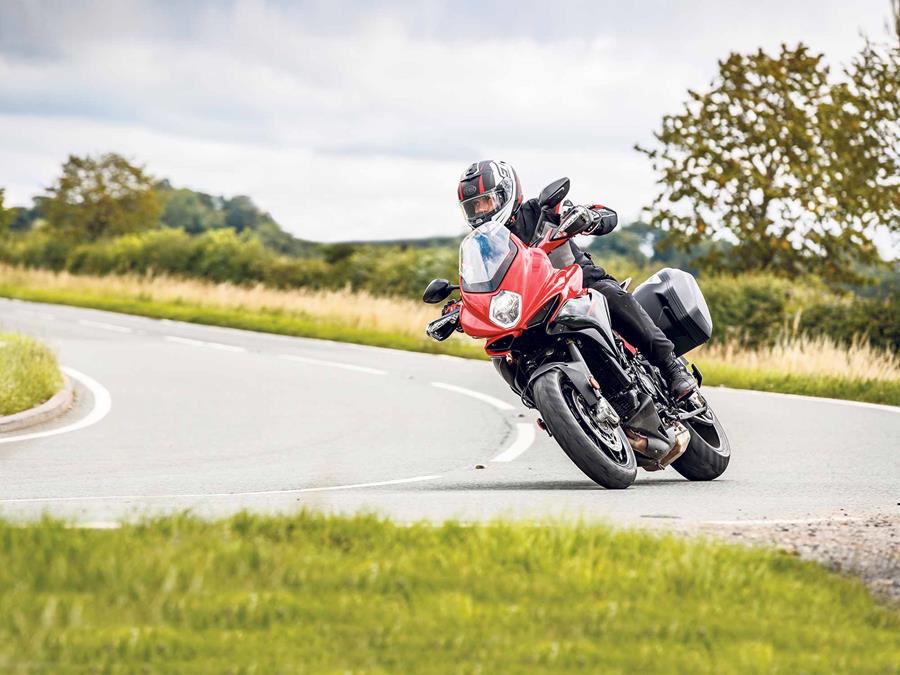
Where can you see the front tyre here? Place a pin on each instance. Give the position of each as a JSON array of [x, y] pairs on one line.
[[709, 451], [599, 449]]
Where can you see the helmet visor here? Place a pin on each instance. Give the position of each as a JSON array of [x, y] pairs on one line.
[[483, 207]]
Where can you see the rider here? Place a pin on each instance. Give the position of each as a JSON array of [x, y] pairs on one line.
[[490, 192]]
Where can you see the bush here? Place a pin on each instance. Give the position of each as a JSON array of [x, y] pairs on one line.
[[224, 255], [757, 309], [35, 248]]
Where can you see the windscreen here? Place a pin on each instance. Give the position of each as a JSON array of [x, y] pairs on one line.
[[484, 257]]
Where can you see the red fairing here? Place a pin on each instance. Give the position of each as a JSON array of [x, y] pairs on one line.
[[533, 277]]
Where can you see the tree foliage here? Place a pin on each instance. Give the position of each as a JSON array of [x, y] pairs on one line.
[[102, 196], [5, 214], [794, 168]]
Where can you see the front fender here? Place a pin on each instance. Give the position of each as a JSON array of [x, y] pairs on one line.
[[577, 373]]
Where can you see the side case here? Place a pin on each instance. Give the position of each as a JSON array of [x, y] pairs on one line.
[[673, 300]]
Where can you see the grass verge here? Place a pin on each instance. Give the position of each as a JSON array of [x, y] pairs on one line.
[[29, 373], [870, 390], [798, 366], [318, 593]]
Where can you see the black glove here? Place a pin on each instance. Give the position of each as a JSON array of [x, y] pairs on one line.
[[577, 220]]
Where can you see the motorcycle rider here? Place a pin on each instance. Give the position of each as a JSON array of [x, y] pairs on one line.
[[490, 192]]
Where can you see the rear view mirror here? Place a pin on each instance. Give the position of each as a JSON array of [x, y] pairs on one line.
[[554, 193], [438, 290]]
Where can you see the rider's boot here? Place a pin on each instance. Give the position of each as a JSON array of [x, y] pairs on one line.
[[681, 382]]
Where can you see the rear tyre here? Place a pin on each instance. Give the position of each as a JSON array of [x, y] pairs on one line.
[[599, 449], [709, 451]]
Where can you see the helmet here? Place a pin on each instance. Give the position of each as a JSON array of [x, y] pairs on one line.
[[489, 192]]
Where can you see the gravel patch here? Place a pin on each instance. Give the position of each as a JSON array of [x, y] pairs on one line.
[[865, 547]]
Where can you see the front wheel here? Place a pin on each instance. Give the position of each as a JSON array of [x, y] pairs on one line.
[[598, 448], [709, 451]]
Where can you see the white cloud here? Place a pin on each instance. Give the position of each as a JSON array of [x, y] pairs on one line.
[[333, 115]]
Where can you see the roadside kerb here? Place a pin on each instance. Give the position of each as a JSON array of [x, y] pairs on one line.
[[53, 407]]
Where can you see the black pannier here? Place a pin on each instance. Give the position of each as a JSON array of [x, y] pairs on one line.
[[673, 300]]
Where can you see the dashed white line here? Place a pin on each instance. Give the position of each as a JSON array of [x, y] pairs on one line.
[[39, 315], [202, 343], [496, 402], [333, 364], [524, 439], [201, 495], [102, 406], [105, 326]]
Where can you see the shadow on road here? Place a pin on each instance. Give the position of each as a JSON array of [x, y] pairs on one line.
[[559, 485]]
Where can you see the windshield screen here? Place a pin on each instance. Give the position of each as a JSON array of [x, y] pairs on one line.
[[484, 257]]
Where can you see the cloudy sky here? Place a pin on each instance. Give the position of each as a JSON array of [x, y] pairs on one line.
[[353, 120]]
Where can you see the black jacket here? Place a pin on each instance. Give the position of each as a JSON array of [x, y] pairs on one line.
[[525, 223]]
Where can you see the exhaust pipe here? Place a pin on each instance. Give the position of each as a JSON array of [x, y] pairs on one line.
[[661, 455]]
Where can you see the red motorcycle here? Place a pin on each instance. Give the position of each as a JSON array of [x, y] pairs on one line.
[[552, 341]]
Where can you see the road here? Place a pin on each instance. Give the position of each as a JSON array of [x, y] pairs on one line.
[[173, 416]]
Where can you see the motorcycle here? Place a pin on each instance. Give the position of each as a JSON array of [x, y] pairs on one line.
[[553, 343]]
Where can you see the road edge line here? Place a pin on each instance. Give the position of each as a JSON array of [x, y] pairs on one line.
[[102, 406], [215, 495]]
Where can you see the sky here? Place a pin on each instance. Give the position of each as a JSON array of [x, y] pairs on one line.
[[354, 120]]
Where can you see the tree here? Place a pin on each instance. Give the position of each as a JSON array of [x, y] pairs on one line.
[[6, 215], [194, 212], [794, 169], [101, 196]]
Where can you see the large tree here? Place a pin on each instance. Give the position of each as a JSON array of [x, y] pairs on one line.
[[793, 165], [101, 196]]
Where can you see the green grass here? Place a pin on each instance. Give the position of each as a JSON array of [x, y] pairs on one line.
[[307, 325], [29, 374], [318, 593], [873, 391]]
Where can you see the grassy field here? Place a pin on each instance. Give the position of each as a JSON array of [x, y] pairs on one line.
[[815, 367], [29, 374], [317, 593]]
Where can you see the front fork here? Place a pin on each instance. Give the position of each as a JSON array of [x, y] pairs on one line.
[[603, 410]]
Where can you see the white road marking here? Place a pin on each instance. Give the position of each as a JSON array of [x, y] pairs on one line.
[[40, 315], [203, 343], [333, 364], [102, 406], [496, 402], [105, 326], [524, 439], [813, 399], [201, 495]]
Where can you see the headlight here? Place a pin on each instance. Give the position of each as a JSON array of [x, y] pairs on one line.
[[506, 309]]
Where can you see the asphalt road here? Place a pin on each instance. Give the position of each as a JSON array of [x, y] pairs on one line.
[[172, 416]]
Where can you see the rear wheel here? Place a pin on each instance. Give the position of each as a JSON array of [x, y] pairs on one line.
[[600, 449], [709, 451]]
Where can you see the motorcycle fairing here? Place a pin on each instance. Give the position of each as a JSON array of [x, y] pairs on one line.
[[532, 276]]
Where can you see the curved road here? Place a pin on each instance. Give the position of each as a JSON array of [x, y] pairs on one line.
[[177, 416]]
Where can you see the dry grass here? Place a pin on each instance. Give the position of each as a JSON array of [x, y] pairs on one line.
[[800, 355], [357, 309]]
